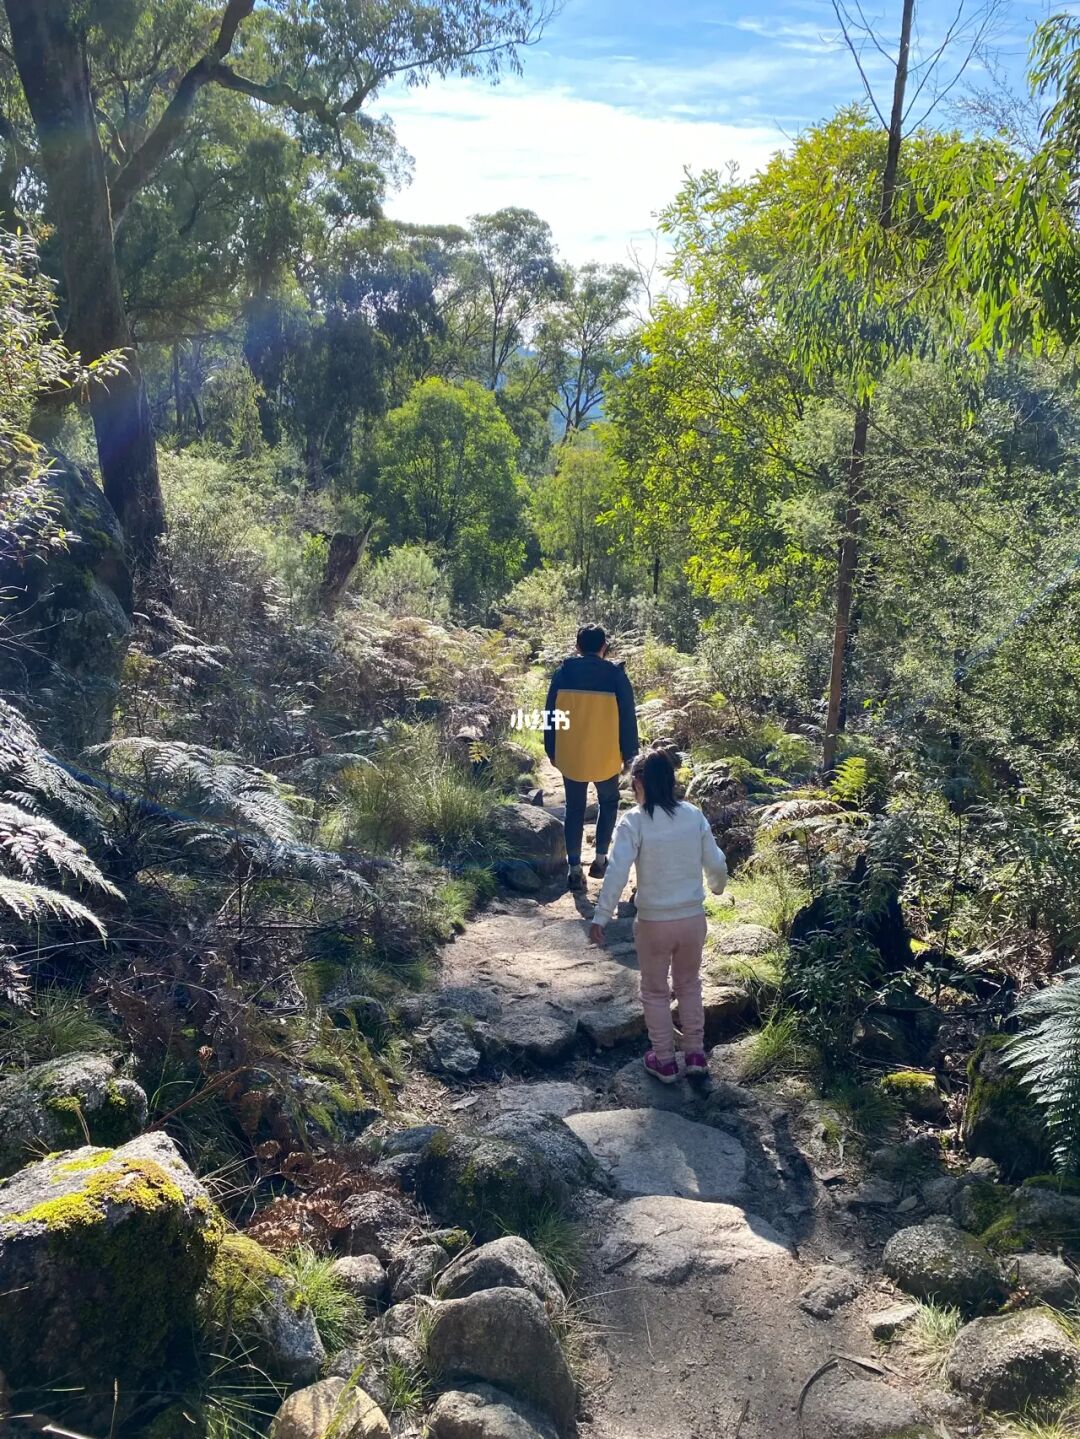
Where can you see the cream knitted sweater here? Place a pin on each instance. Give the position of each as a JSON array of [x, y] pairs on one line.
[[669, 853]]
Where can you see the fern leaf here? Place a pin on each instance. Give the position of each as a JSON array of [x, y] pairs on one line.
[[1047, 1051], [790, 813], [32, 903], [31, 844]]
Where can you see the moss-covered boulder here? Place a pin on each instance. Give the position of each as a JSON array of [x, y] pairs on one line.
[[102, 1254], [916, 1092], [64, 1104], [249, 1301], [1001, 1120], [488, 1186], [69, 605]]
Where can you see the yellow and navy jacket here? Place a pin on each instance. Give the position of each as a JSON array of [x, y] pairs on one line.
[[597, 733]]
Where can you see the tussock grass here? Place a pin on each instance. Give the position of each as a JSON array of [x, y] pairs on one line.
[[777, 1048], [1062, 1424], [559, 1241], [314, 1283], [58, 1022], [929, 1337]]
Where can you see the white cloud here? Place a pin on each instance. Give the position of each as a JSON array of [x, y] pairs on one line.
[[599, 174]]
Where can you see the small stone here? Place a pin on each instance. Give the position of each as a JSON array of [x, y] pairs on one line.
[[362, 1276], [939, 1192], [907, 1204], [829, 1289], [1007, 1363], [452, 1051], [415, 1272], [875, 1195], [331, 1407], [885, 1323], [985, 1169]]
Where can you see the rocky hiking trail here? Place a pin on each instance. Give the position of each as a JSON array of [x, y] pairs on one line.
[[728, 1288]]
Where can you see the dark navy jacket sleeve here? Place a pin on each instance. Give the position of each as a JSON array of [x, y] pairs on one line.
[[549, 704], [628, 731]]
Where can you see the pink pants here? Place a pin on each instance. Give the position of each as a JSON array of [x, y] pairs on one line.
[[673, 945]]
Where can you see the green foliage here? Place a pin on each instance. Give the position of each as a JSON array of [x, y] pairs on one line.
[[777, 1048], [1047, 1053], [447, 480], [313, 1282], [53, 1023], [407, 581]]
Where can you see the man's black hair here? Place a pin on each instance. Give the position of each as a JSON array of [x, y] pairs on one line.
[[591, 639]]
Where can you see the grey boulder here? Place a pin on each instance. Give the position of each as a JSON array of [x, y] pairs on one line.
[[378, 1223], [940, 1262], [1046, 1277], [487, 1186], [829, 1289], [481, 1412], [510, 1262], [362, 1276], [504, 1337], [1009, 1362], [333, 1407], [532, 835], [416, 1271], [56, 1105]]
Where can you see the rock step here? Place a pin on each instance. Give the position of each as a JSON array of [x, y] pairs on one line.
[[649, 1152]]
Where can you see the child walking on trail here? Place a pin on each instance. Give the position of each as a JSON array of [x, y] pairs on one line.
[[669, 843]]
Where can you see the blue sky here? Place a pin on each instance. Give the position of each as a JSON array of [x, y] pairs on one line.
[[620, 96]]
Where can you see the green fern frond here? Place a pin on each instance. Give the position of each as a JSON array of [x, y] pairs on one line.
[[30, 775], [210, 783], [789, 813], [30, 844], [32, 903], [1047, 1052]]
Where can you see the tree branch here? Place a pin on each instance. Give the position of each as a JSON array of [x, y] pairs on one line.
[[167, 132]]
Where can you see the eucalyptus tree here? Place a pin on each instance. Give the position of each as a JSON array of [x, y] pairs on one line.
[[108, 91]]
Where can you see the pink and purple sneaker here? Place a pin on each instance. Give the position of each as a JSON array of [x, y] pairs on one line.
[[696, 1064], [665, 1070]]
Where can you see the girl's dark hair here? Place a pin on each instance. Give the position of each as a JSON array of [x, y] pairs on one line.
[[657, 775]]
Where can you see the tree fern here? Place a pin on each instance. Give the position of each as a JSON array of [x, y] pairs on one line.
[[1047, 1052], [34, 903], [207, 783], [31, 846]]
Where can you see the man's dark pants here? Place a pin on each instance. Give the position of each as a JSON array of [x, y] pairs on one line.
[[577, 793]]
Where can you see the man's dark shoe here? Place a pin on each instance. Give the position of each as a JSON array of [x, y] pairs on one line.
[[598, 868], [575, 879]]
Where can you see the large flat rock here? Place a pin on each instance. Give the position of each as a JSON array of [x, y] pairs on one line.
[[744, 939], [665, 1240], [558, 1097], [647, 1151]]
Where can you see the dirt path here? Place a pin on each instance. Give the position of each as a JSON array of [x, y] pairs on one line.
[[716, 1222]]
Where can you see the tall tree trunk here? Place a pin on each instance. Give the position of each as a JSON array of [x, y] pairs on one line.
[[845, 581], [52, 67], [853, 518]]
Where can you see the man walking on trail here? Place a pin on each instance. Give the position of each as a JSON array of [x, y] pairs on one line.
[[595, 740]]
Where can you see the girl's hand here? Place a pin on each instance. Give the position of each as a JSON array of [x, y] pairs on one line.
[[596, 935]]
